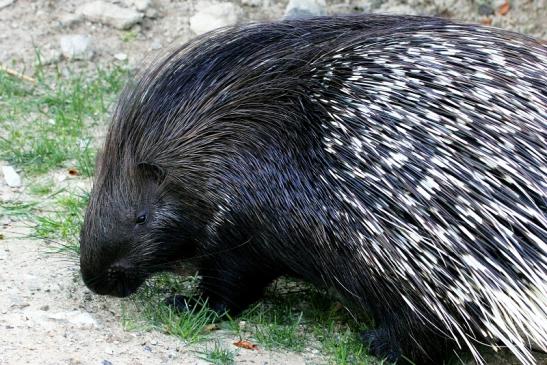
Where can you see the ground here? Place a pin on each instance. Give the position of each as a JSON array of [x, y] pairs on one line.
[[54, 105]]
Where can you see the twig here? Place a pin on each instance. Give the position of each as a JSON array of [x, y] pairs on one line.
[[14, 73]]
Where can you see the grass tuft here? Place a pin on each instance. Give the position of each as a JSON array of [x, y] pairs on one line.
[[218, 355], [49, 125]]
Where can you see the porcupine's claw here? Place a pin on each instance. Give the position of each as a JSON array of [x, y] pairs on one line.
[[381, 345]]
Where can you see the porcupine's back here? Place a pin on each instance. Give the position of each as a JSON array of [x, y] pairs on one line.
[[437, 138]]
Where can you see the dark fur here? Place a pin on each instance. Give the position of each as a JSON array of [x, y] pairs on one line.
[[219, 144]]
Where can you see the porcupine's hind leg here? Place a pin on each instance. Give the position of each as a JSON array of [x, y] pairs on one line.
[[381, 345], [397, 341]]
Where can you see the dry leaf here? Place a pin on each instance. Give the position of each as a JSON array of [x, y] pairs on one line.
[[504, 9], [211, 327], [338, 306], [245, 345], [486, 21]]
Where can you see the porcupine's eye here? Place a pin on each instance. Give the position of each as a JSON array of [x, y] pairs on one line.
[[141, 219]]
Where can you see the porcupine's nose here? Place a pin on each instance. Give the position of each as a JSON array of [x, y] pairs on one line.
[[122, 279]]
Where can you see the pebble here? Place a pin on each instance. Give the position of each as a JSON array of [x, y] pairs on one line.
[[256, 3], [151, 13], [304, 9], [400, 9], [78, 319], [110, 14], [214, 15], [50, 56], [70, 19], [5, 3], [11, 177], [76, 47], [485, 9], [156, 44], [120, 56], [140, 5]]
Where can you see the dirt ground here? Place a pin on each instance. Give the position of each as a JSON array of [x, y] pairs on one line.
[[46, 315]]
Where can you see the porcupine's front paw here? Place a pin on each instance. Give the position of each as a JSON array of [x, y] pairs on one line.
[[382, 346]]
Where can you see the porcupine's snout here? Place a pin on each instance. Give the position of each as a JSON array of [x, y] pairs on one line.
[[119, 279], [107, 270]]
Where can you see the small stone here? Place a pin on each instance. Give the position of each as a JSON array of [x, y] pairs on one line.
[[11, 177], [213, 16], [78, 319], [304, 9], [400, 9], [368, 6], [106, 362], [485, 10], [21, 305], [110, 14], [5, 3], [44, 308], [70, 19], [50, 56], [120, 56], [76, 47], [147, 348], [497, 3], [151, 13], [140, 5], [256, 3]]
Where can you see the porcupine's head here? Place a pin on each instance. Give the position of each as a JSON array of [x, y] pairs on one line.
[[144, 210], [172, 133], [135, 224]]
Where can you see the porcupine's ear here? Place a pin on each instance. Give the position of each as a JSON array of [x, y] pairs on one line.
[[151, 171]]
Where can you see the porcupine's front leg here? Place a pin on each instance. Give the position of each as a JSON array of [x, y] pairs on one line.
[[228, 285]]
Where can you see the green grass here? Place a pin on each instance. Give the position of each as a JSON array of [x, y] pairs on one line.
[[17, 209], [147, 310], [61, 226], [217, 354], [50, 126]]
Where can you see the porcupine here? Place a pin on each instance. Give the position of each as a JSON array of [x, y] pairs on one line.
[[400, 161]]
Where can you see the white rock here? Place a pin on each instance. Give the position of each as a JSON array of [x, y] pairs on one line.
[[398, 9], [120, 56], [11, 177], [256, 3], [140, 5], [156, 44], [151, 13], [4, 3], [70, 19], [214, 15], [77, 319], [110, 14], [305, 8], [76, 46]]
